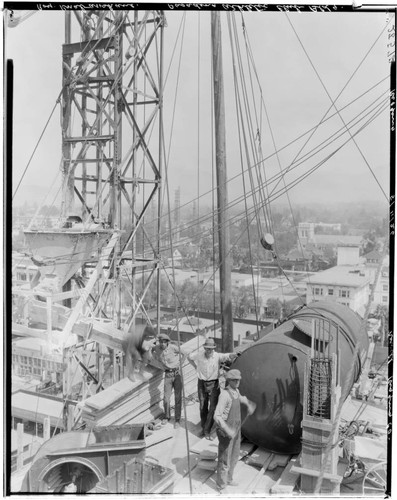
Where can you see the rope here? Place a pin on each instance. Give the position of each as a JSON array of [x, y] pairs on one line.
[[179, 345], [274, 178], [295, 181], [198, 139], [245, 192], [334, 101], [37, 144], [276, 194]]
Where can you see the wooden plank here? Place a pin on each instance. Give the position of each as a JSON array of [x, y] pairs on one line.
[[159, 436], [199, 477], [286, 483], [258, 457], [253, 484], [243, 475], [114, 404], [279, 461], [205, 445], [315, 473], [265, 483], [208, 455], [207, 464]]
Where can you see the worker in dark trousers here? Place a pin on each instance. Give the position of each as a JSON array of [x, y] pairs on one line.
[[207, 363], [167, 355], [228, 419]]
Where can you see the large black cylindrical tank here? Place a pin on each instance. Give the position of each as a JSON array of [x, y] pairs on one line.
[[272, 372]]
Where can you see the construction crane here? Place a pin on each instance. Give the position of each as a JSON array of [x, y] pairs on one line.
[[112, 146]]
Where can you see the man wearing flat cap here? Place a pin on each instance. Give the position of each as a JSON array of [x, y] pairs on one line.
[[167, 356], [228, 419], [207, 362]]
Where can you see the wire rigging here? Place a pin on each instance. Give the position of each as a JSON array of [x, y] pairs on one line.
[[37, 144], [307, 155], [278, 193], [340, 93], [333, 104]]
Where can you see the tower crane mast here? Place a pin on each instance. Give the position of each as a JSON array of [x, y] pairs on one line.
[[112, 143]]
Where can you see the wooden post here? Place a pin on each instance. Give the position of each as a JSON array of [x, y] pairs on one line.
[[19, 446], [46, 428], [70, 417], [223, 224], [49, 318]]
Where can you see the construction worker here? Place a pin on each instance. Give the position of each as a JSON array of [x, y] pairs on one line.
[[228, 419], [207, 363], [167, 355]]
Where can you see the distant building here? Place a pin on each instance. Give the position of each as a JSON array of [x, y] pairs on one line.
[[309, 258], [29, 447], [23, 270], [382, 286], [348, 255], [307, 233], [372, 258], [32, 408], [238, 280], [347, 285], [322, 241], [31, 356]]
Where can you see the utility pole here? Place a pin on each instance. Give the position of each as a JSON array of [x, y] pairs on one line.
[[223, 224]]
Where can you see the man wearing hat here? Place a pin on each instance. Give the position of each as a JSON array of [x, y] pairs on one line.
[[228, 419], [167, 356], [207, 363]]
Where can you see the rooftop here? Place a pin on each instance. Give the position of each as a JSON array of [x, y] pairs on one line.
[[374, 255], [341, 275], [337, 239], [35, 407]]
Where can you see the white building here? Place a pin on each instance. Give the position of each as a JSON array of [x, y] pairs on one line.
[[382, 286], [347, 285], [306, 229], [348, 255], [322, 241]]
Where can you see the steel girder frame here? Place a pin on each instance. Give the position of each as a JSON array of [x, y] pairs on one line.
[[112, 142]]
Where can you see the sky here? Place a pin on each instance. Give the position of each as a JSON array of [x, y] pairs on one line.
[[301, 62]]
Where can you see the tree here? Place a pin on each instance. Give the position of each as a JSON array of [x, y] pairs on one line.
[[273, 308], [371, 242], [287, 309], [242, 300]]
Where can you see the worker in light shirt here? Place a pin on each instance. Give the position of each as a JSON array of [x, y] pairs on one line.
[[228, 420], [167, 356], [207, 362]]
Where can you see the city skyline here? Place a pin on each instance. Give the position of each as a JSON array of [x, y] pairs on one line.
[[291, 51]]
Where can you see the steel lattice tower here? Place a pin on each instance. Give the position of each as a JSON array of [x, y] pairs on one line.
[[112, 143]]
